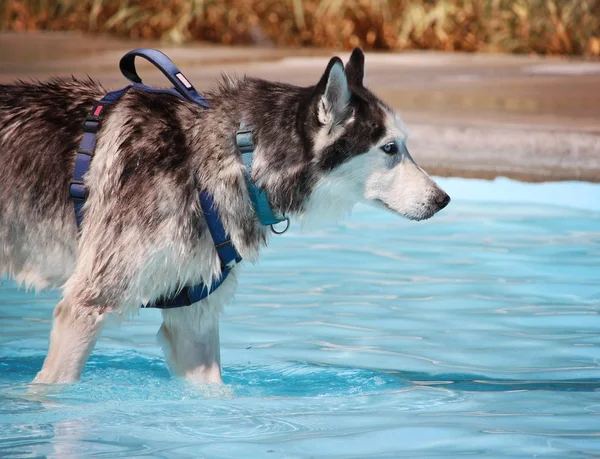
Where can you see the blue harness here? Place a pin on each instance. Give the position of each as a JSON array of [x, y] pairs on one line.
[[184, 90]]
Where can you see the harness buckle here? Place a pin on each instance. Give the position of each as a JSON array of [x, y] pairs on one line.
[[223, 244], [243, 138], [91, 124], [77, 190]]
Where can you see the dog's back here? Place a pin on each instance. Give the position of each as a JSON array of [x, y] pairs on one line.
[[40, 127]]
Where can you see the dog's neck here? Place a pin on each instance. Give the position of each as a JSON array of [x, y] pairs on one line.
[[282, 158]]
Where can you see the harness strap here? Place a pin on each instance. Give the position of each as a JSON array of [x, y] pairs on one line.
[[223, 245], [260, 201], [225, 249], [85, 153]]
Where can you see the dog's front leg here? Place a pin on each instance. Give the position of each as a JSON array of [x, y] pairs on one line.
[[189, 337], [73, 336]]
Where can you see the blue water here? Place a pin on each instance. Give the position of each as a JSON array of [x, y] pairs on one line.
[[476, 333]]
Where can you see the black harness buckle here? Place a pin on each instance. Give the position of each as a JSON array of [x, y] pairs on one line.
[[77, 190]]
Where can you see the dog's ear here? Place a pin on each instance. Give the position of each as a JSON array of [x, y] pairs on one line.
[[355, 68], [334, 94]]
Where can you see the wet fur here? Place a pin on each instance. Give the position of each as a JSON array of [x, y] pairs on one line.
[[143, 234]]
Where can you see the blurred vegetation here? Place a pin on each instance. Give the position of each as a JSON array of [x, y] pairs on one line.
[[517, 26]]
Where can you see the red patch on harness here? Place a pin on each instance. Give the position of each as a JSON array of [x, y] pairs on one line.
[[98, 110]]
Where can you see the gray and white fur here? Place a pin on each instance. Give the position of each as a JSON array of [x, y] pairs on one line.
[[319, 151]]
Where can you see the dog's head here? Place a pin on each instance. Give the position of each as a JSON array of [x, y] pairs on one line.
[[359, 149]]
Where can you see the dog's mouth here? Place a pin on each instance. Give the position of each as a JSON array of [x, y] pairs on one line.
[[381, 205], [426, 214]]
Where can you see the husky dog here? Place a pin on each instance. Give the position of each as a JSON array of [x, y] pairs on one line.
[[319, 151]]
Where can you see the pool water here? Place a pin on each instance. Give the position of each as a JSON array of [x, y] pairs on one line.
[[474, 333]]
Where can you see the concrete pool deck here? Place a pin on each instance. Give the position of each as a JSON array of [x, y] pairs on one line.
[[482, 116]]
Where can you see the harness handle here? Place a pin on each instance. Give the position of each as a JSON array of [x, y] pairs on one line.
[[167, 67]]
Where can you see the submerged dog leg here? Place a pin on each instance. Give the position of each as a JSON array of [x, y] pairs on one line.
[[73, 336], [189, 337]]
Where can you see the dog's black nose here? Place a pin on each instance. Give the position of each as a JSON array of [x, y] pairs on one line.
[[442, 200]]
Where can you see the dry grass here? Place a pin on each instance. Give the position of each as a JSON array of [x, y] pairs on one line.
[[521, 26]]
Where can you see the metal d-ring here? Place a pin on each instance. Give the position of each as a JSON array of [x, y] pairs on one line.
[[287, 227]]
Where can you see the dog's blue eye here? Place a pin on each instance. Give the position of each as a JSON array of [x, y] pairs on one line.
[[390, 148]]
